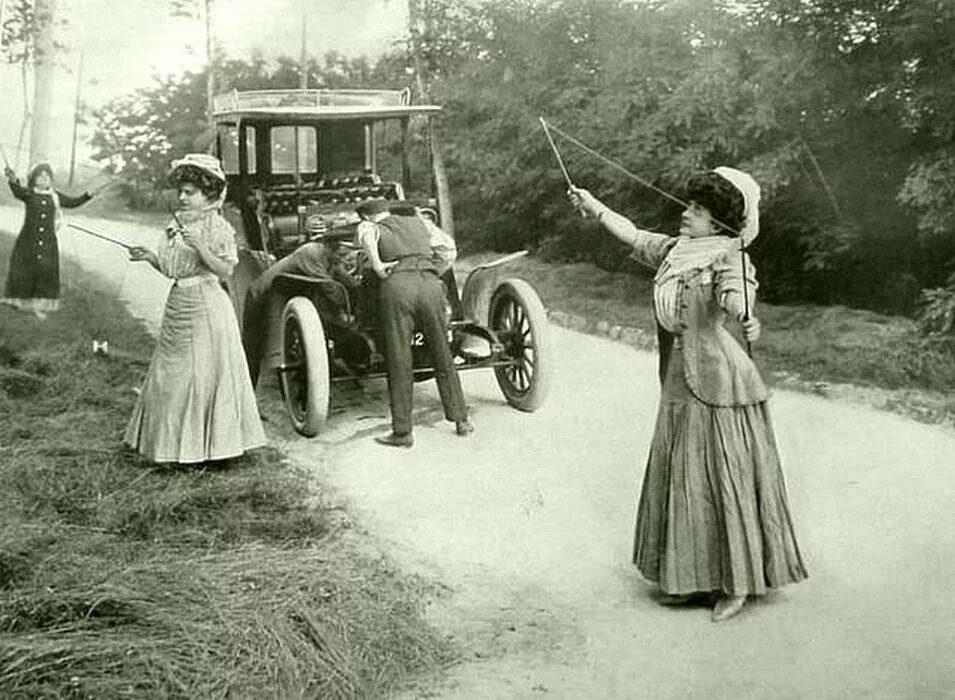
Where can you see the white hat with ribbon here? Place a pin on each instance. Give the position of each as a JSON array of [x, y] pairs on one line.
[[749, 188]]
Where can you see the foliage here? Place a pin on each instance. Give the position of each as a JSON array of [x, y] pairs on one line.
[[844, 112], [17, 34], [937, 315], [136, 136], [806, 96]]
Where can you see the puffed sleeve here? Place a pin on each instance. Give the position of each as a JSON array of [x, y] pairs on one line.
[[728, 284], [650, 248], [222, 241], [443, 249]]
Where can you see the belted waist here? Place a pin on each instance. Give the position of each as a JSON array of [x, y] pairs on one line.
[[415, 263], [194, 280]]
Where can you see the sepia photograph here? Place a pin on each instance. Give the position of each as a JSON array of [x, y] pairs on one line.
[[477, 349]]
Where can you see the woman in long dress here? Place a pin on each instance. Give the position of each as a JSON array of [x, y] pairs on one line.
[[713, 517], [197, 403], [33, 281]]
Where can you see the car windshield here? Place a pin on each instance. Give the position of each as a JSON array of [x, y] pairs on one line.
[[294, 149]]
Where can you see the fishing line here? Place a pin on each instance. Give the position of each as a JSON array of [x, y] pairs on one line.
[[649, 185]]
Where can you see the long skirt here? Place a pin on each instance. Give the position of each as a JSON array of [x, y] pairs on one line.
[[33, 281], [713, 513], [197, 403]]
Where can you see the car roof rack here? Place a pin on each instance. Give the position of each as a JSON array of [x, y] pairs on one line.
[[322, 103]]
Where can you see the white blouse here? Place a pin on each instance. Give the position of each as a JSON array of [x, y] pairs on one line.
[[177, 259]]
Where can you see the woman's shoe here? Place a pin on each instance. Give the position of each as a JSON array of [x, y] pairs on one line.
[[676, 600], [464, 428], [727, 607]]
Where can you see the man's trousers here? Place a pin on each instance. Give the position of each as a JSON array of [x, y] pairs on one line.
[[414, 300]]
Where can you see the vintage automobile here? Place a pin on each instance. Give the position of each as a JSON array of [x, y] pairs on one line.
[[298, 162]]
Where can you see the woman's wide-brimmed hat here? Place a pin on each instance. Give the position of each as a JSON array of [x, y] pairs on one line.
[[37, 169], [203, 161], [749, 188]]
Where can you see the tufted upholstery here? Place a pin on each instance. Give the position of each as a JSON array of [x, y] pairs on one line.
[[284, 201]]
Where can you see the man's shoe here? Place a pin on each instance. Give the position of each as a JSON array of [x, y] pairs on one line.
[[463, 428], [727, 607], [395, 440]]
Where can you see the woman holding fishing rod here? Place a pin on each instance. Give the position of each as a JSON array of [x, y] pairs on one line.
[[33, 280], [713, 520], [197, 403]]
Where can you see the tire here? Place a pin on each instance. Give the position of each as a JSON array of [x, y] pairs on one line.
[[304, 377], [517, 316]]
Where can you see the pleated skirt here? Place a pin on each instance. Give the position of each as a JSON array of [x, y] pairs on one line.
[[197, 403], [713, 514]]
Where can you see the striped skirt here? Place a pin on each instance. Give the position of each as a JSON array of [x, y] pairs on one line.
[[197, 403], [713, 513]]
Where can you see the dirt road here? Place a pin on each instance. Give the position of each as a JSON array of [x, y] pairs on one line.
[[529, 522], [528, 525]]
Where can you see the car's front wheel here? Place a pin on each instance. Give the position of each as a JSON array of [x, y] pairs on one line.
[[517, 316], [303, 375]]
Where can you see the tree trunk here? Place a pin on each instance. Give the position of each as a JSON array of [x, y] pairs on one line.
[[44, 63]]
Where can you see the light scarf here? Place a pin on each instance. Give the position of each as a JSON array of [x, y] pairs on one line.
[[694, 254]]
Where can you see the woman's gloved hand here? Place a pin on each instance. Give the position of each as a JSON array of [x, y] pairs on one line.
[[584, 202]]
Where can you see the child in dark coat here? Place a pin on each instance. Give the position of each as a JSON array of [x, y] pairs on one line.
[[33, 281]]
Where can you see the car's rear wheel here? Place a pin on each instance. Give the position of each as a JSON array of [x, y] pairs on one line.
[[303, 376], [517, 317]]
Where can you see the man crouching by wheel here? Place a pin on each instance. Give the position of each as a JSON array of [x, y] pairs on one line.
[[408, 254]]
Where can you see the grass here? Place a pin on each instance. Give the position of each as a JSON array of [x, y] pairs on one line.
[[816, 344], [124, 579]]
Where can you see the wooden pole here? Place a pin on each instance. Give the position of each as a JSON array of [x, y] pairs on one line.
[[442, 189], [303, 60], [405, 163], [76, 116]]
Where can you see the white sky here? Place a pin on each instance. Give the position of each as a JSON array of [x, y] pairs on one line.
[[125, 42]]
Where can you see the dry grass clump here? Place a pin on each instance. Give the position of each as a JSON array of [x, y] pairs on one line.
[[123, 579], [251, 622]]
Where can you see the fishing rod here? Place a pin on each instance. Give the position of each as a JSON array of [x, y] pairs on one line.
[[560, 161], [100, 235]]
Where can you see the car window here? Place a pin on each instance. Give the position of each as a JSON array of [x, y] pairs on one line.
[[283, 149], [229, 148]]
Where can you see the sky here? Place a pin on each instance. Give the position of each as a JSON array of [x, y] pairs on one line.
[[126, 42]]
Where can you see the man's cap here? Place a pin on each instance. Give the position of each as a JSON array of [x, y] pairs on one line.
[[371, 207]]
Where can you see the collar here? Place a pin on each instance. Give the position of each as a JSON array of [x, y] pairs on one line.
[[694, 254]]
